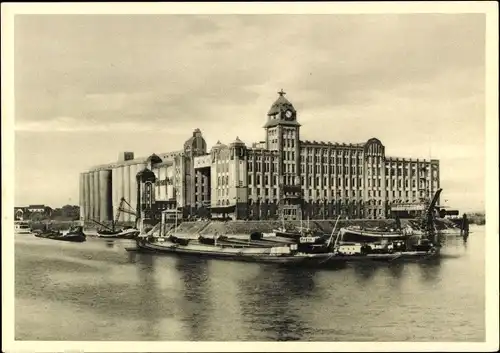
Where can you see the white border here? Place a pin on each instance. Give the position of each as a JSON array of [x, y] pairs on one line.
[[491, 165]]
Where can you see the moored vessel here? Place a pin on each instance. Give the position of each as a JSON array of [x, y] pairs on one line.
[[74, 234], [258, 249], [22, 227], [113, 232]]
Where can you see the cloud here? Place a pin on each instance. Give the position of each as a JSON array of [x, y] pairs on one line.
[[415, 81], [331, 60], [70, 124]]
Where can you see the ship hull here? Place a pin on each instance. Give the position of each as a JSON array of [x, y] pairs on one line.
[[75, 238], [123, 234], [261, 255]]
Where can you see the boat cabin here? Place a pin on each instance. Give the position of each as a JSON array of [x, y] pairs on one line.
[[21, 226], [349, 249]]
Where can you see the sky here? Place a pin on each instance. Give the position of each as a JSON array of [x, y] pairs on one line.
[[90, 86]]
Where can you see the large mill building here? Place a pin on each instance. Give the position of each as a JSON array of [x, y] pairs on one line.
[[281, 176]]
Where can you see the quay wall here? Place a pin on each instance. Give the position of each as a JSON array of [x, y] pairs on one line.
[[247, 227]]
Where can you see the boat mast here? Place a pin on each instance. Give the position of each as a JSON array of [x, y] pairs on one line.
[[333, 232], [175, 229], [117, 217], [429, 223]]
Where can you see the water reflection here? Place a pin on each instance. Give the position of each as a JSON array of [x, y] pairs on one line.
[[195, 301], [112, 294], [430, 270], [396, 270], [132, 256], [110, 243], [148, 294], [365, 272], [464, 240], [267, 301]]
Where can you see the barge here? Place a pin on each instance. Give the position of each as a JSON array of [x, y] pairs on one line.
[[75, 234], [22, 227]]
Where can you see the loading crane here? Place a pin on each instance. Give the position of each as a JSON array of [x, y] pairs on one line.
[[121, 208]]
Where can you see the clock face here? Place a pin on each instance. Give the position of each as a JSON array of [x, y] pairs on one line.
[[288, 114]]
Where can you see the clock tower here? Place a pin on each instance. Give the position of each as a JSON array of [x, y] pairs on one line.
[[283, 136]]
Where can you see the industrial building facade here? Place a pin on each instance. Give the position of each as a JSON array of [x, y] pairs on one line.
[[279, 177]]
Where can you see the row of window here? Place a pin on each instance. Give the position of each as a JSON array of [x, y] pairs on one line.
[[334, 194], [355, 182], [326, 160], [331, 152], [287, 132], [289, 143]]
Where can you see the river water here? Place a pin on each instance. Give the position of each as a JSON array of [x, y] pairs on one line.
[[98, 291]]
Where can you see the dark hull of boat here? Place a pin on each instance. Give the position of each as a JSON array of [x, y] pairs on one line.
[[232, 256], [104, 233], [289, 235], [119, 235], [76, 238]]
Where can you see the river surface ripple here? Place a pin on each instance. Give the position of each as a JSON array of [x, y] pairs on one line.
[[98, 291]]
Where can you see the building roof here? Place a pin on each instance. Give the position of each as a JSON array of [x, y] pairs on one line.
[[154, 159], [238, 142], [334, 144], [274, 122], [196, 133], [163, 164], [280, 105], [218, 146], [146, 175]]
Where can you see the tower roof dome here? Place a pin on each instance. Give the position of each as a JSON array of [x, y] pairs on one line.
[[219, 145], [280, 105], [154, 159], [146, 175], [237, 142]]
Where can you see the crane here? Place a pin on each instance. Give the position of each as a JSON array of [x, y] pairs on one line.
[[117, 217]]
